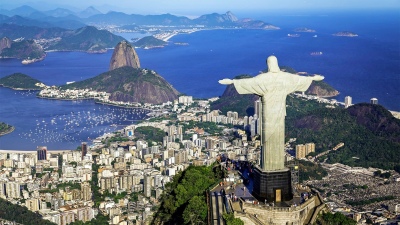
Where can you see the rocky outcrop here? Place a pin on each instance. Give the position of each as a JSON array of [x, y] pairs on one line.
[[5, 43], [321, 89], [124, 55], [128, 84], [28, 50]]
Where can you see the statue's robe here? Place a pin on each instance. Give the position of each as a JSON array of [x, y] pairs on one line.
[[273, 87]]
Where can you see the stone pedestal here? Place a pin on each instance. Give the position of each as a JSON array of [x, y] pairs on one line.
[[274, 186]]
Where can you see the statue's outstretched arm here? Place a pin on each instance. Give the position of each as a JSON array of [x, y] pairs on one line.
[[225, 81], [317, 77]]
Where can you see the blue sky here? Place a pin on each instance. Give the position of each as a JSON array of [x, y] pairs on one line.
[[198, 7]]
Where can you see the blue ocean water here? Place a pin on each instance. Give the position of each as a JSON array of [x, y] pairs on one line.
[[363, 67]]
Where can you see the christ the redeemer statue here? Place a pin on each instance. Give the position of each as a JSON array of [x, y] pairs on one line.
[[272, 87]]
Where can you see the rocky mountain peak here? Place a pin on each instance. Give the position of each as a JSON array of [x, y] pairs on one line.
[[230, 16], [124, 55]]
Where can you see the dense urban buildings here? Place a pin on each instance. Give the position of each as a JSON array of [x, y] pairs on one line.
[[122, 176]]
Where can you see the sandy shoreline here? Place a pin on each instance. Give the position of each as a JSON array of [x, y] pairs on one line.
[[33, 151], [9, 131]]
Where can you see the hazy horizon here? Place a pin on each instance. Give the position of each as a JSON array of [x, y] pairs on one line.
[[197, 8]]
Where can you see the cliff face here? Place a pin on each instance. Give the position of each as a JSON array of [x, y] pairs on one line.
[[5, 43], [130, 85], [127, 82], [321, 89], [148, 92], [124, 55]]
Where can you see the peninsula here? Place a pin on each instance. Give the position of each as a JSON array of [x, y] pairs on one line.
[[27, 50]]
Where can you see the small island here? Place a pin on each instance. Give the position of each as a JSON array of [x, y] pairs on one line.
[[150, 42], [345, 34], [304, 29], [20, 81], [5, 129], [181, 43]]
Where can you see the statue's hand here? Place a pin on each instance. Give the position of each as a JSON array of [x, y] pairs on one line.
[[225, 81], [318, 77]]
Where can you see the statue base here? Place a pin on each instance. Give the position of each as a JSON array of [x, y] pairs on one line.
[[272, 186]]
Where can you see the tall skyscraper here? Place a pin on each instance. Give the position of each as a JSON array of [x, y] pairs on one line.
[[84, 149], [179, 129], [86, 192], [347, 101], [257, 108], [13, 190], [374, 101], [41, 153], [300, 151], [245, 121], [171, 130], [310, 147], [147, 185]]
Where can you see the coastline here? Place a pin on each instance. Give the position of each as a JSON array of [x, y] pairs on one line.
[[8, 131], [395, 114], [29, 61], [33, 151], [19, 89], [96, 102]]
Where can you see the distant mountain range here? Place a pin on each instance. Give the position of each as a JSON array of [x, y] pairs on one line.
[[91, 16], [65, 30], [27, 11], [87, 38]]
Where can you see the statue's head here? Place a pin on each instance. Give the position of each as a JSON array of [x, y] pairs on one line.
[[272, 63]]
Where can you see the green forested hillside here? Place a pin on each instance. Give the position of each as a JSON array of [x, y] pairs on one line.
[[130, 85], [21, 81], [149, 42], [150, 133], [26, 49], [184, 199], [328, 127], [87, 39], [20, 214]]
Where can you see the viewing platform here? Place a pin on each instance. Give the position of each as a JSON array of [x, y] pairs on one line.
[[234, 195]]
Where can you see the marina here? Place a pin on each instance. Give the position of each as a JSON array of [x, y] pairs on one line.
[[61, 124]]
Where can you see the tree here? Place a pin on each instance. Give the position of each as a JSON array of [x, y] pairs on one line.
[[196, 211], [337, 219], [183, 199], [231, 220], [377, 173]]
